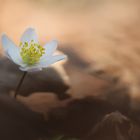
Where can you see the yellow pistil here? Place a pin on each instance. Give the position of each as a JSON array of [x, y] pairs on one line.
[[31, 52]]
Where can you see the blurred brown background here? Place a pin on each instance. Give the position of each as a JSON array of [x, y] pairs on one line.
[[102, 32], [102, 41]]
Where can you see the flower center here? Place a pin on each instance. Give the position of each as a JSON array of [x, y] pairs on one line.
[[31, 52]]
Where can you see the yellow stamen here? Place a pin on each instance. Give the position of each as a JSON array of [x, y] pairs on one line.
[[31, 52]]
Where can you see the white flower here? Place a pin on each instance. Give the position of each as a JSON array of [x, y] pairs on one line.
[[30, 56]]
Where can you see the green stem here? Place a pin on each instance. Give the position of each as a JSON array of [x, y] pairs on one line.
[[19, 84]]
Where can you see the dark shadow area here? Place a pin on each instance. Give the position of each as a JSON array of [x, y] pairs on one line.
[[43, 81], [17, 122]]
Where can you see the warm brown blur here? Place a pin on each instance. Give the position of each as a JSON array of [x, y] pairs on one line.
[[103, 32], [101, 39]]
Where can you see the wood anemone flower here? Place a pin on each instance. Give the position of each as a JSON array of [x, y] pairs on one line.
[[30, 55]]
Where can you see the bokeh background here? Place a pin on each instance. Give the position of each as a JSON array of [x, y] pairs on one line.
[[102, 41]]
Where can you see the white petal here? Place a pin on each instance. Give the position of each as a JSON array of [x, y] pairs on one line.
[[14, 55], [31, 68], [50, 47], [29, 35], [7, 43], [44, 63], [7, 55], [50, 60], [11, 50]]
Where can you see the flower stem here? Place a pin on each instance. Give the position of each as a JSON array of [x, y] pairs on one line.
[[19, 84]]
